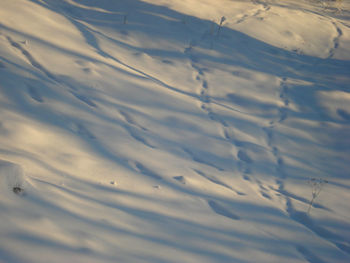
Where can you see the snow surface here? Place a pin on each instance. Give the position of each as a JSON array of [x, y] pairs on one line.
[[141, 131]]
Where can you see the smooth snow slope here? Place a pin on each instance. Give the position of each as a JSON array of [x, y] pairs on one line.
[[137, 131]]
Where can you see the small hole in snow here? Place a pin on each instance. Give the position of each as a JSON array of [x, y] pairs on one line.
[[17, 190]]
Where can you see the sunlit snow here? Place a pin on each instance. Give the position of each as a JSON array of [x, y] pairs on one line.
[[168, 131]]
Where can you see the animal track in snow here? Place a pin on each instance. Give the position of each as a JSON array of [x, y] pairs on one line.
[[282, 115], [283, 111], [259, 10], [246, 177], [264, 4], [242, 19], [203, 92], [244, 160], [204, 97], [205, 104], [284, 92], [221, 210], [228, 136], [269, 134], [262, 190], [269, 131], [336, 40], [281, 173]]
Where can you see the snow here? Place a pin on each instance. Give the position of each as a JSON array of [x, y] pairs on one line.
[[137, 131]]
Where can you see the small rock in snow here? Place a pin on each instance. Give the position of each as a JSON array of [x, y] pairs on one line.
[[114, 183]]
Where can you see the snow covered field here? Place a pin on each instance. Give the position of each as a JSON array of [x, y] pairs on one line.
[[173, 131]]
